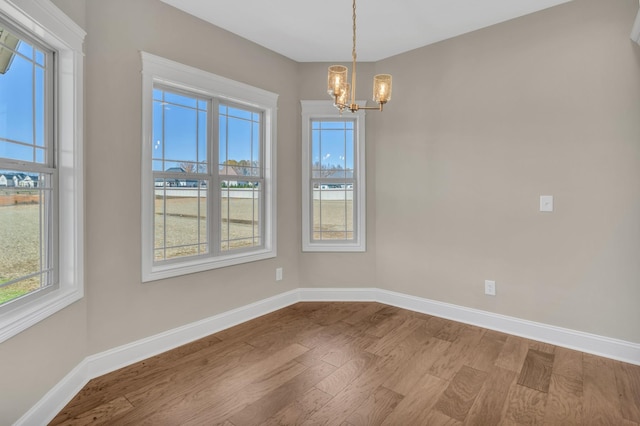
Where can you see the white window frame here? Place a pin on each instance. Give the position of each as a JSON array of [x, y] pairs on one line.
[[316, 110], [158, 70], [43, 21]]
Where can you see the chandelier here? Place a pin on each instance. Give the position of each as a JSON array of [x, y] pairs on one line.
[[344, 94]]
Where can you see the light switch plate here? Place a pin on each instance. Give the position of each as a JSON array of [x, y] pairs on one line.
[[546, 203]]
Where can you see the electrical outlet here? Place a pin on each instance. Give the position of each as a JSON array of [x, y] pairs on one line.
[[546, 203], [489, 287], [278, 274]]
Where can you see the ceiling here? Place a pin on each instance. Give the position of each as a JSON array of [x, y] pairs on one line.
[[320, 31]]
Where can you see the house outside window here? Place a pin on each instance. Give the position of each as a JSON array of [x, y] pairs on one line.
[[208, 171], [41, 215], [333, 175]]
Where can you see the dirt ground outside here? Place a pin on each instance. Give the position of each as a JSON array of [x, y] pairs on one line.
[[19, 248], [15, 199], [185, 219], [183, 227]]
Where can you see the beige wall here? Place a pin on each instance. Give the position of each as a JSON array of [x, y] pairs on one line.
[[118, 308], [34, 361], [478, 128]]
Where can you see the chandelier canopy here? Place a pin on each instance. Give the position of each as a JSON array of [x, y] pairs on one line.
[[344, 94]]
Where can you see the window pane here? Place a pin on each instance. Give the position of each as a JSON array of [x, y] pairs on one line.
[[180, 220], [349, 151], [240, 141], [22, 100], [202, 141], [39, 136], [178, 99], [240, 213], [26, 50], [239, 113], [315, 151], [15, 151], [158, 147], [240, 163], [333, 154], [13, 290], [25, 206], [255, 139], [179, 132], [26, 197], [332, 211], [332, 149], [222, 144], [40, 57]]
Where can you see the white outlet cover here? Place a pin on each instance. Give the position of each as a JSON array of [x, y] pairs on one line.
[[546, 203], [489, 287]]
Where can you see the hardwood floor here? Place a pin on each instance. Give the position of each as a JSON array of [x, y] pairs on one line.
[[353, 364]]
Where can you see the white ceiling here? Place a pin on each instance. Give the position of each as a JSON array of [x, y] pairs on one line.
[[320, 31]]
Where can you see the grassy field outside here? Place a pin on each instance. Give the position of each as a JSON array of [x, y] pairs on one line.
[[13, 291], [183, 227], [185, 230], [19, 248]]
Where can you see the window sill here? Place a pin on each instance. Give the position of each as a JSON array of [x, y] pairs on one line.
[[170, 270], [24, 316]]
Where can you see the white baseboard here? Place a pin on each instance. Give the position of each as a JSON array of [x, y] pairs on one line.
[[338, 294], [585, 342], [113, 359]]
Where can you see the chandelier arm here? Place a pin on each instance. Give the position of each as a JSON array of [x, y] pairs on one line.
[[353, 107], [356, 107]]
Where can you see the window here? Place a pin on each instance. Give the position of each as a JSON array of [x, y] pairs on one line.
[[26, 145], [208, 171], [333, 173], [41, 217]]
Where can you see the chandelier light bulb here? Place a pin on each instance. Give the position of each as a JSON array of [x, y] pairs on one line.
[[342, 98], [336, 80], [382, 88]]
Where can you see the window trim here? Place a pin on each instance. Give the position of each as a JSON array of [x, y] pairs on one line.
[[325, 110], [158, 70], [43, 21]]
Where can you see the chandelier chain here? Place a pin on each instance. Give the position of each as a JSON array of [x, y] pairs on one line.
[[354, 55], [353, 52]]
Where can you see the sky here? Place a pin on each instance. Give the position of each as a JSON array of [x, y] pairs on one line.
[[332, 144], [180, 124], [22, 106], [180, 128]]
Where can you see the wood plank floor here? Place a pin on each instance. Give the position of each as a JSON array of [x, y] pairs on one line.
[[351, 364]]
